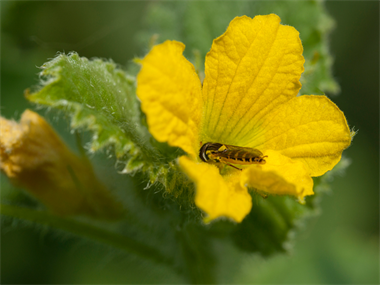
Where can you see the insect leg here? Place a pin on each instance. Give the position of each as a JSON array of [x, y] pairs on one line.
[[233, 166], [225, 162]]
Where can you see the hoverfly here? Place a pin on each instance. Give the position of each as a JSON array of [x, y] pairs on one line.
[[227, 154]]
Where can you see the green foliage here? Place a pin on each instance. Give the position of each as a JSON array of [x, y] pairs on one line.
[[268, 225]]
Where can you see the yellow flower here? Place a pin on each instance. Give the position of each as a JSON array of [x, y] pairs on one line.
[[34, 157], [248, 99]]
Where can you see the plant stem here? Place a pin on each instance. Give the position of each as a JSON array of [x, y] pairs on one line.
[[85, 230]]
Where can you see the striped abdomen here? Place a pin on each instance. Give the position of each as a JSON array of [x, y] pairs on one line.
[[242, 157]]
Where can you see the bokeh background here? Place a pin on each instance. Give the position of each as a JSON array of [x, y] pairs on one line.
[[340, 246]]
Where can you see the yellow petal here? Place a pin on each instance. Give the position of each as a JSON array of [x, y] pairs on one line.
[[310, 129], [280, 175], [216, 195], [252, 68], [170, 94]]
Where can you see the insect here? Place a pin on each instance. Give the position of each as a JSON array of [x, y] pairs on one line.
[[227, 154]]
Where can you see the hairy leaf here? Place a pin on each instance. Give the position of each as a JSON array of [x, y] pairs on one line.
[[100, 97]]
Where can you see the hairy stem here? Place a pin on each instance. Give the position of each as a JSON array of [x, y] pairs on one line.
[[85, 230]]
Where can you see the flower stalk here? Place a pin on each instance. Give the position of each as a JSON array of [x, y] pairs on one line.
[[86, 230]]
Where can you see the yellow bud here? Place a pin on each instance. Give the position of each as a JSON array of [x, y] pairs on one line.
[[34, 157]]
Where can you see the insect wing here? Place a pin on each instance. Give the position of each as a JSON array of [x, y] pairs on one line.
[[241, 152]]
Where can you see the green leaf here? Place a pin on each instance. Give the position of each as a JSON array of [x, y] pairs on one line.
[[266, 229], [101, 98], [97, 94]]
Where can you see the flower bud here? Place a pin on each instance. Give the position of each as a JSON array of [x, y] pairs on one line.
[[34, 157]]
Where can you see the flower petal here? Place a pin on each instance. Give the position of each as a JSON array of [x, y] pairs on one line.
[[310, 129], [280, 175], [170, 94], [216, 195], [252, 68]]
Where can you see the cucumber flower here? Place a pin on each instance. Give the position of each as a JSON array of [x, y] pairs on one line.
[[248, 99]]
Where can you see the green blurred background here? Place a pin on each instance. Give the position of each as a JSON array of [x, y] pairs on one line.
[[339, 246]]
